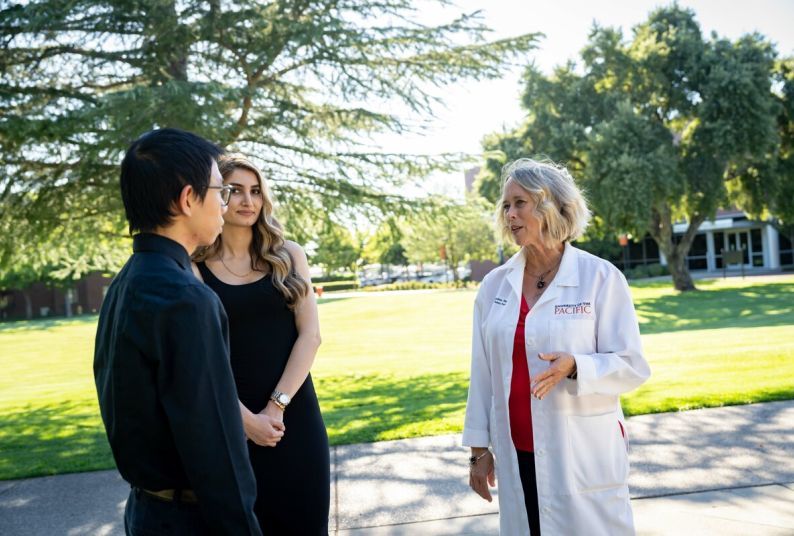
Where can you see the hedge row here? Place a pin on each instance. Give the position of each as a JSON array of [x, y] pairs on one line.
[[649, 270], [331, 286], [334, 278], [419, 285]]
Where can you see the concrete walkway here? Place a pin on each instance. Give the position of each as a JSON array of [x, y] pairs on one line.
[[726, 471]]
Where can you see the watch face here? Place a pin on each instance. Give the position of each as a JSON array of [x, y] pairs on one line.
[[283, 398]]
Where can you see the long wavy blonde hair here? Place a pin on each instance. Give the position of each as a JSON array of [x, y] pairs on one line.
[[267, 249]]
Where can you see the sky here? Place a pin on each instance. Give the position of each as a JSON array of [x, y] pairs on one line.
[[474, 109]]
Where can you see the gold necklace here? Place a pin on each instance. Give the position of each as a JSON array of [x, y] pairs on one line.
[[236, 274]]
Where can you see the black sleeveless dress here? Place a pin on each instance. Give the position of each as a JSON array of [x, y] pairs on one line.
[[293, 478]]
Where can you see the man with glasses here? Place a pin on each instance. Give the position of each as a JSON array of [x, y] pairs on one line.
[[161, 362]]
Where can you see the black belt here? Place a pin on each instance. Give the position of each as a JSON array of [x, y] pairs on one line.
[[173, 495]]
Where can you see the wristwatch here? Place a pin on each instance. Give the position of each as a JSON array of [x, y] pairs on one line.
[[282, 400], [474, 459]]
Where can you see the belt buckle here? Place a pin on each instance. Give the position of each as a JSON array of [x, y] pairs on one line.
[[185, 496]]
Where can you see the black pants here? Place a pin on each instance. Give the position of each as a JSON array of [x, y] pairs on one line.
[[526, 469], [146, 515]]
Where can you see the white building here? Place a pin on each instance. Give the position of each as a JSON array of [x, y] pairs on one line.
[[763, 247]]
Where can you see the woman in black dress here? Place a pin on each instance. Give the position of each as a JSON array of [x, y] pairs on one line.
[[264, 284]]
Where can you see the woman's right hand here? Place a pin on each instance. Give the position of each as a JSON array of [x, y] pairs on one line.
[[481, 474], [263, 429]]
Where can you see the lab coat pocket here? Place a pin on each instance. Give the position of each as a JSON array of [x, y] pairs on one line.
[[573, 335], [598, 453]]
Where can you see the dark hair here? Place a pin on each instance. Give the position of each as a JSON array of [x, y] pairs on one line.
[[156, 168]]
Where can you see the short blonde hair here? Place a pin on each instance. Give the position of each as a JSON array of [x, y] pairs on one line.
[[561, 206]]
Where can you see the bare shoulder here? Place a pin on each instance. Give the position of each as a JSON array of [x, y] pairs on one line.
[[294, 249]]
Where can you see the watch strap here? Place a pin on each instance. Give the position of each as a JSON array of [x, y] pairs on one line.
[[276, 398]]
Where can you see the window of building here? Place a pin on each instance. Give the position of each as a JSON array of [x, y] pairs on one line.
[[699, 246], [740, 240], [756, 247], [719, 245], [651, 249], [696, 259], [786, 251]]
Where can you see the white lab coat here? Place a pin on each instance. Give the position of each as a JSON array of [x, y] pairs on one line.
[[580, 437]]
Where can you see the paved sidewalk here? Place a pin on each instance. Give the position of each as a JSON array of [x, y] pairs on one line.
[[726, 471]]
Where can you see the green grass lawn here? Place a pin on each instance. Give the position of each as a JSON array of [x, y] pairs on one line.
[[395, 365]]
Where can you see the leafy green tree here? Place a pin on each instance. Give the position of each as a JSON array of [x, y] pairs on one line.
[[336, 249], [453, 233], [65, 258], [662, 128], [385, 247], [781, 202], [766, 191], [300, 85]]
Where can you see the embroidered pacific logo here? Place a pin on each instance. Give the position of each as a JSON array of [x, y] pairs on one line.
[[581, 308]]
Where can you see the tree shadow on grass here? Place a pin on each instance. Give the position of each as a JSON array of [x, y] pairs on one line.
[[46, 323], [330, 299], [359, 408], [637, 402], [768, 305], [38, 440], [47, 439]]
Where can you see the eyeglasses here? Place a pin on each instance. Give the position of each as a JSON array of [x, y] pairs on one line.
[[225, 191]]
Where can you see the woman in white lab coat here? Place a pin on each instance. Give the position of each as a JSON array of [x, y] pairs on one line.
[[555, 343]]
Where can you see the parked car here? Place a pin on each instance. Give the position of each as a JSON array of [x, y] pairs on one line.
[[438, 277], [371, 282]]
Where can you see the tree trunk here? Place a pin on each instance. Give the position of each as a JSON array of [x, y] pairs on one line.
[[661, 231], [682, 279], [28, 305], [453, 265]]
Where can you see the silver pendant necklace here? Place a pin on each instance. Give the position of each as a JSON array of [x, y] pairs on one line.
[[541, 278]]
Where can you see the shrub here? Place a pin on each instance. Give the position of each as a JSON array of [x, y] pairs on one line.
[[655, 270], [419, 285], [638, 272], [331, 286], [648, 270], [334, 278]]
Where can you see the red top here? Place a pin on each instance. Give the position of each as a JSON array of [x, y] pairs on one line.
[[520, 403]]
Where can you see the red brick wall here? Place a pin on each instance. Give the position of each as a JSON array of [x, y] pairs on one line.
[[91, 292], [480, 268], [88, 295]]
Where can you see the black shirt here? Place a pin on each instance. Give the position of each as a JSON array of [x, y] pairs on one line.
[[165, 387]]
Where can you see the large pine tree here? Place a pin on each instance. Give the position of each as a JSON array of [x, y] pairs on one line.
[[299, 85]]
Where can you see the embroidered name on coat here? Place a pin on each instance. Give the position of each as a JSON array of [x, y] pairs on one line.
[[581, 308], [500, 301]]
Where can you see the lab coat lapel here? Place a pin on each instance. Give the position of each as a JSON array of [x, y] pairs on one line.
[[516, 275]]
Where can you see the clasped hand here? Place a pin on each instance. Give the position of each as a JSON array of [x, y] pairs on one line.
[[562, 365], [267, 427]]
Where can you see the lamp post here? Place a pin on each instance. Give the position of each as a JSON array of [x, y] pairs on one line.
[[623, 240]]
